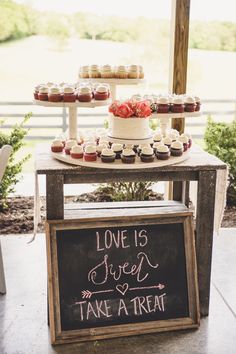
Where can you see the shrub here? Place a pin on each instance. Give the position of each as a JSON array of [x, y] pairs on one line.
[[14, 168], [220, 139]]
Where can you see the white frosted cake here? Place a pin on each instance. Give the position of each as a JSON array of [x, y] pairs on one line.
[[129, 128]]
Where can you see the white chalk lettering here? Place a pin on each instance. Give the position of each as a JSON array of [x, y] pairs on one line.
[[122, 306], [148, 304], [138, 236]]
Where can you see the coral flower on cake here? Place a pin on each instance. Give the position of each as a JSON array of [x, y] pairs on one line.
[[143, 109], [124, 110]]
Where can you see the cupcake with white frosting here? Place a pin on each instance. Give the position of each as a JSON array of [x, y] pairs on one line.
[[133, 71], [108, 155], [43, 93], [94, 72], [90, 153], [100, 147], [167, 141], [128, 156], [184, 140], [121, 72], [84, 94], [176, 148], [68, 146], [147, 154], [54, 94], [189, 104], [141, 72], [162, 152], [101, 93], [77, 152], [107, 72], [84, 72], [68, 93], [57, 146], [117, 148], [163, 104]]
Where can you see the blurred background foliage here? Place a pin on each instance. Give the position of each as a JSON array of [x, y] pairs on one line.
[[17, 21]]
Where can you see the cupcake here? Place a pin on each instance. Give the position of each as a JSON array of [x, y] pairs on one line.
[[141, 72], [84, 94], [189, 104], [117, 148], [140, 147], [57, 146], [100, 147], [189, 140], [84, 72], [54, 94], [50, 84], [43, 93], [101, 93], [108, 155], [147, 154], [107, 72], [69, 94], [163, 105], [173, 136], [68, 146], [156, 145], [94, 72], [163, 152], [184, 140], [177, 105], [76, 152], [90, 153], [128, 156], [121, 72], [36, 92], [157, 137], [133, 71], [198, 103], [167, 141], [176, 148]]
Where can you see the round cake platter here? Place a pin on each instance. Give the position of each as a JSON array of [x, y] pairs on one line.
[[118, 164], [114, 81], [130, 141]]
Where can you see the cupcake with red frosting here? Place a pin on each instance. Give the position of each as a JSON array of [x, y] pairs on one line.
[[90, 153], [77, 152]]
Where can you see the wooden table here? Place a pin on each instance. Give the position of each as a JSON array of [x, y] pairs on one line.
[[201, 167]]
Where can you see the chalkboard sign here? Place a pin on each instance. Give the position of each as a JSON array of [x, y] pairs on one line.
[[121, 277]]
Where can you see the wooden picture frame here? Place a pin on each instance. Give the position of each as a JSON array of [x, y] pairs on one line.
[[59, 336]]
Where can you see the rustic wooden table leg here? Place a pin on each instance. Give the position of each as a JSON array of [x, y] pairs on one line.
[[54, 197], [204, 235], [54, 204]]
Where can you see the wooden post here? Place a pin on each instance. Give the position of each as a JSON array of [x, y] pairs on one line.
[[55, 197], [204, 235], [178, 67], [179, 52]]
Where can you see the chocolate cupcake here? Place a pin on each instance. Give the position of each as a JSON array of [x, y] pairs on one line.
[[167, 141], [176, 148], [157, 137], [185, 141], [147, 154], [140, 147], [162, 152], [156, 145], [189, 104], [100, 147], [117, 148], [128, 156], [108, 155]]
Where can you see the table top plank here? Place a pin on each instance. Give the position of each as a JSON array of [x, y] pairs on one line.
[[199, 160]]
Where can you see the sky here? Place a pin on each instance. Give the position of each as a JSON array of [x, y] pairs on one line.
[[205, 10]]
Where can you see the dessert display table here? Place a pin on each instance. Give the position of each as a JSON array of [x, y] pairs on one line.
[[200, 166]]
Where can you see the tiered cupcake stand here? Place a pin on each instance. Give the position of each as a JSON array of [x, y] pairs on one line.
[[164, 120]]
